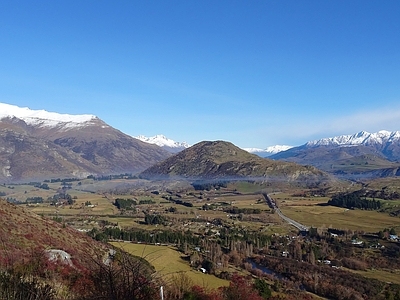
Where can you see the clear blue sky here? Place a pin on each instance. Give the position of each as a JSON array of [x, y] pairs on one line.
[[256, 73]]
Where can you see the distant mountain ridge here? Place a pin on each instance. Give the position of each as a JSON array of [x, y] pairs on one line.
[[360, 155], [164, 142], [44, 118], [365, 138], [37, 144], [271, 150], [175, 147]]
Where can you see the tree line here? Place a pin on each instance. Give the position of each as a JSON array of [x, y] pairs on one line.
[[354, 200], [236, 210], [178, 201], [144, 236]]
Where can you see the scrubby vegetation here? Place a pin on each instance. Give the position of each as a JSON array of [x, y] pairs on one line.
[[227, 231], [125, 203], [38, 277]]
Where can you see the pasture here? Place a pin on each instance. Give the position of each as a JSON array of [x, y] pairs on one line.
[[168, 262], [392, 276], [205, 205], [312, 211]]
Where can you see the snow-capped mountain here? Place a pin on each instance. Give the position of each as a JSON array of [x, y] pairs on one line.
[[381, 139], [164, 142], [268, 151], [360, 155], [43, 118], [360, 138], [37, 144], [277, 148]]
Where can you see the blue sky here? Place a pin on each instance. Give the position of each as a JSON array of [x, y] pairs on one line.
[[256, 73]]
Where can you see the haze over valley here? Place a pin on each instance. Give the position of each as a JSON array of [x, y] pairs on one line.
[[200, 150]]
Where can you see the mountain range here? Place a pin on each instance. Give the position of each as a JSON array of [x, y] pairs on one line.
[[361, 155], [36, 144], [175, 147], [381, 139]]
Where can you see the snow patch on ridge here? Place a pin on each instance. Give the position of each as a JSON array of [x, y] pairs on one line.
[[278, 148], [43, 118], [360, 138], [164, 142], [269, 150]]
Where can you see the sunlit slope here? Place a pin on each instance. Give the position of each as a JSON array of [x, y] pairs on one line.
[[223, 160]]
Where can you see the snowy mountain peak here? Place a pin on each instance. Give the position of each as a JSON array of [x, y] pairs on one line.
[[269, 150], [164, 142], [43, 118], [360, 138], [278, 148]]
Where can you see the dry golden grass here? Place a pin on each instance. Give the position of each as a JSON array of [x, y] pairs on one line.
[[244, 201], [391, 183], [126, 222], [309, 211], [168, 262], [302, 209], [382, 275], [336, 217], [23, 232], [103, 206]]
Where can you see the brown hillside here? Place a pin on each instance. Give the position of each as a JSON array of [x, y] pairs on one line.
[[223, 160], [31, 153], [23, 232]]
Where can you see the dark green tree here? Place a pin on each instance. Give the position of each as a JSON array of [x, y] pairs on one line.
[[263, 288]]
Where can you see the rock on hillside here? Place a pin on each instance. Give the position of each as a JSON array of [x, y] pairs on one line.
[[22, 232]]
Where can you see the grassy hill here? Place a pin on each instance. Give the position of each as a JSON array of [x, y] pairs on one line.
[[224, 161], [168, 263], [23, 232], [43, 259]]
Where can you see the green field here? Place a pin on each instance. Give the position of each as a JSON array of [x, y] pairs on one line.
[[310, 212], [392, 276], [168, 262], [340, 218]]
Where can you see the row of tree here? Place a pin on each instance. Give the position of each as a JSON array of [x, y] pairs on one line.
[[354, 200], [209, 185], [111, 177], [144, 236], [236, 210], [178, 201]]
